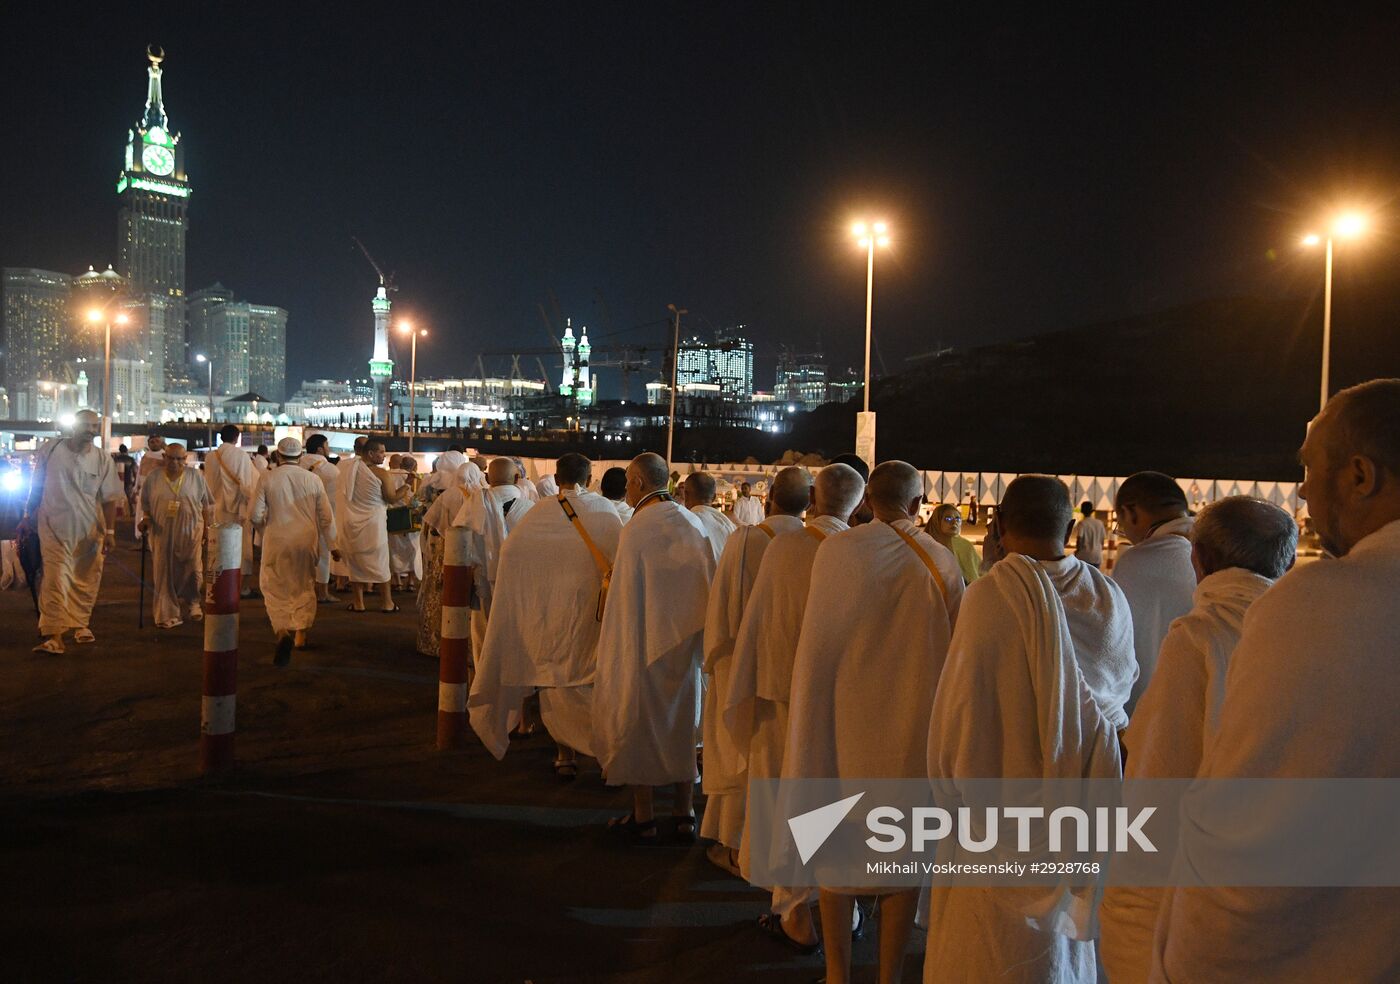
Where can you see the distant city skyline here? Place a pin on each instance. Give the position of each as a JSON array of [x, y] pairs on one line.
[[1036, 175]]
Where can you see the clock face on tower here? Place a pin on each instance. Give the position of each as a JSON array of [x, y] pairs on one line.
[[157, 160]]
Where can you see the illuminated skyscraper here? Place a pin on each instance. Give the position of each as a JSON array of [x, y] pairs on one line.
[[37, 325], [152, 222]]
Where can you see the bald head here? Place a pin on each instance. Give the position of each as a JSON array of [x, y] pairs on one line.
[[838, 490], [698, 490], [650, 471], [791, 493], [1037, 507], [895, 491], [501, 471]]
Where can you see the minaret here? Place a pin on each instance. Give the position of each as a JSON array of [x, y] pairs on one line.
[[381, 367], [566, 385], [585, 382]]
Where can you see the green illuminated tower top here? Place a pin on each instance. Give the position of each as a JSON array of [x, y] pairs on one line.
[[154, 195]]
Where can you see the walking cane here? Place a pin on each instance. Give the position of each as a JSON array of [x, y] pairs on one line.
[[141, 604]]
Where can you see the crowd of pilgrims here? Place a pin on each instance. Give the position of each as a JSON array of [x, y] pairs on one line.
[[823, 633]]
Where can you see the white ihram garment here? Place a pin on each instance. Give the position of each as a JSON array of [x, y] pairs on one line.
[[875, 632], [364, 539], [177, 539], [760, 679], [232, 480], [717, 526], [646, 695], [71, 532], [624, 511], [543, 630], [1044, 648], [1157, 577], [330, 481], [293, 512], [1177, 714], [748, 511], [725, 778], [342, 485], [1311, 692], [490, 516]]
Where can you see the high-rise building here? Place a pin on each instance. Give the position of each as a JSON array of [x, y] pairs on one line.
[[726, 363], [246, 343], [267, 351], [153, 220], [37, 325]]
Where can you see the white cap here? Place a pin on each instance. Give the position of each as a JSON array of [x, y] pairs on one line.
[[289, 447]]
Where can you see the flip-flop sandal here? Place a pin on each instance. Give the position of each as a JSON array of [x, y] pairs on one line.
[[566, 771], [635, 833], [84, 636], [325, 601], [772, 926], [390, 611], [49, 646], [357, 611]]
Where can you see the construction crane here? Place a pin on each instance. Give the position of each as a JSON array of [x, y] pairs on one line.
[[387, 282]]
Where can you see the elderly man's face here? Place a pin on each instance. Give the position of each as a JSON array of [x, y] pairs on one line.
[[1320, 487], [174, 460], [87, 425], [374, 454]]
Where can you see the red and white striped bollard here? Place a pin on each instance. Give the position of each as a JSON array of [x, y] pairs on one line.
[[454, 651], [223, 582]]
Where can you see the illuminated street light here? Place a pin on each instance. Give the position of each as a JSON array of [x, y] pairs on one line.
[[1347, 225], [869, 237], [406, 327], [95, 315]]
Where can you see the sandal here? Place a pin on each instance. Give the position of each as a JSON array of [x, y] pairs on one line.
[[772, 925], [390, 611], [49, 646], [358, 611], [84, 635], [566, 771], [635, 833], [685, 828]]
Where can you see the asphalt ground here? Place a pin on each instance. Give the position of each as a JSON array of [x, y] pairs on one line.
[[342, 846]]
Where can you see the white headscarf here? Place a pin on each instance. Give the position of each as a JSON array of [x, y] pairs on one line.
[[445, 469], [472, 476]]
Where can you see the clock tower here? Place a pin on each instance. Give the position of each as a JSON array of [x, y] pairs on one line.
[[154, 194]]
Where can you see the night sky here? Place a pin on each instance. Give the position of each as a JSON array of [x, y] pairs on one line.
[[1037, 175]]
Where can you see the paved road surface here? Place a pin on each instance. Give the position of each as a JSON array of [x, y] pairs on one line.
[[343, 847]]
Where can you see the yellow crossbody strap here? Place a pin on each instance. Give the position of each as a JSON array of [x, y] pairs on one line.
[[768, 529], [815, 533], [928, 562], [601, 562]]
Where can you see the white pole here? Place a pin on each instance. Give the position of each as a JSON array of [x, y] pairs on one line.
[[412, 381], [869, 298], [1327, 325]]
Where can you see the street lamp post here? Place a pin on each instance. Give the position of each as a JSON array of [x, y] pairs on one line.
[[209, 363], [675, 372], [1348, 225], [876, 234], [413, 334], [94, 316]]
